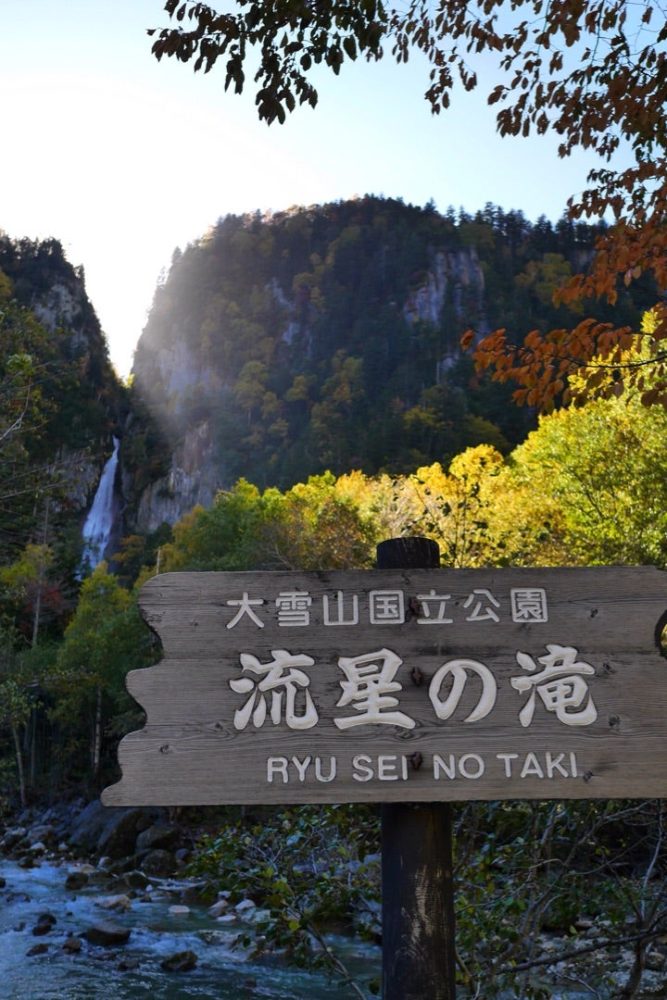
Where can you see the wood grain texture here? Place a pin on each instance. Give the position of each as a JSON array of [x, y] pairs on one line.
[[191, 751], [418, 929], [418, 918]]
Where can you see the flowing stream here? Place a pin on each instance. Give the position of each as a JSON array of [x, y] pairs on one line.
[[99, 522], [222, 972]]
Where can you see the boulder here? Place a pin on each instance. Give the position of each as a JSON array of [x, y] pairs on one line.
[[181, 961], [12, 837], [37, 949], [120, 902], [44, 833], [109, 831], [120, 833], [128, 964], [245, 906], [135, 880], [72, 945], [157, 835], [76, 880], [107, 934], [159, 862], [88, 825], [45, 922]]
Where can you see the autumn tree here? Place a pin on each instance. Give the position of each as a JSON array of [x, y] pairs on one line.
[[104, 640], [592, 71]]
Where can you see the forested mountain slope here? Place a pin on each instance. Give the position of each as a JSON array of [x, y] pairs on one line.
[[328, 337], [59, 401]]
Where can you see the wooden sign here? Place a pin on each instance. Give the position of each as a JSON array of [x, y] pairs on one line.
[[416, 685]]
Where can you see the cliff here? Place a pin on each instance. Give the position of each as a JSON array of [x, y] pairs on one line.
[[55, 366], [328, 337]]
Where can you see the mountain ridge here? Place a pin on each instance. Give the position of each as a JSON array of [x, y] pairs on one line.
[[328, 337]]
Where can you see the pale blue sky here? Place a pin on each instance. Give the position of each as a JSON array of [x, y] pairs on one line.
[[123, 159]]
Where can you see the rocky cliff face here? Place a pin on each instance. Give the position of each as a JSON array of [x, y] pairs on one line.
[[328, 337], [50, 318], [193, 478], [175, 381]]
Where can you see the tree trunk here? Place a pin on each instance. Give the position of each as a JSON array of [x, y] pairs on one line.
[[40, 579], [33, 747], [97, 734], [19, 763]]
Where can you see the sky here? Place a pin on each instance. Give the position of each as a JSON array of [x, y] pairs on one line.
[[123, 159]]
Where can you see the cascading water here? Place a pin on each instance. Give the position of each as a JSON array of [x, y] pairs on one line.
[[99, 522]]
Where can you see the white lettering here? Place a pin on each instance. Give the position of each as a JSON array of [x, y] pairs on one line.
[[386, 607], [318, 769], [529, 604], [573, 764], [475, 759], [507, 759], [277, 765], [340, 619], [433, 608], [387, 767], [553, 763], [362, 769], [531, 767], [439, 765], [459, 671], [301, 767]]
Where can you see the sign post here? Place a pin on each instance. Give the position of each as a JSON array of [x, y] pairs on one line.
[[407, 685], [418, 927]]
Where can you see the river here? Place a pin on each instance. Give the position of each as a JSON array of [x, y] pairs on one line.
[[222, 971]]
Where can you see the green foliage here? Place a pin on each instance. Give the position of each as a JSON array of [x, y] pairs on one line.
[[525, 868], [310, 870], [605, 466], [312, 526], [328, 337], [59, 397], [105, 638]]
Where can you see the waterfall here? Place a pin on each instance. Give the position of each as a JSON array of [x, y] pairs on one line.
[[99, 522]]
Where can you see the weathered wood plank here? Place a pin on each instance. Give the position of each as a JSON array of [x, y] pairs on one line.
[[597, 726]]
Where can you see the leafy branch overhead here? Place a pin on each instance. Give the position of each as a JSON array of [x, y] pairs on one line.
[[593, 71]]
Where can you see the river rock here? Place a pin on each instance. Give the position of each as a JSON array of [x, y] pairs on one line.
[[12, 837], [111, 831], [135, 880], [181, 961], [159, 862], [178, 911], [72, 945], [37, 949], [245, 906], [76, 880], [120, 902], [218, 908], [128, 964], [157, 835], [107, 933], [45, 921], [655, 960], [44, 833]]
